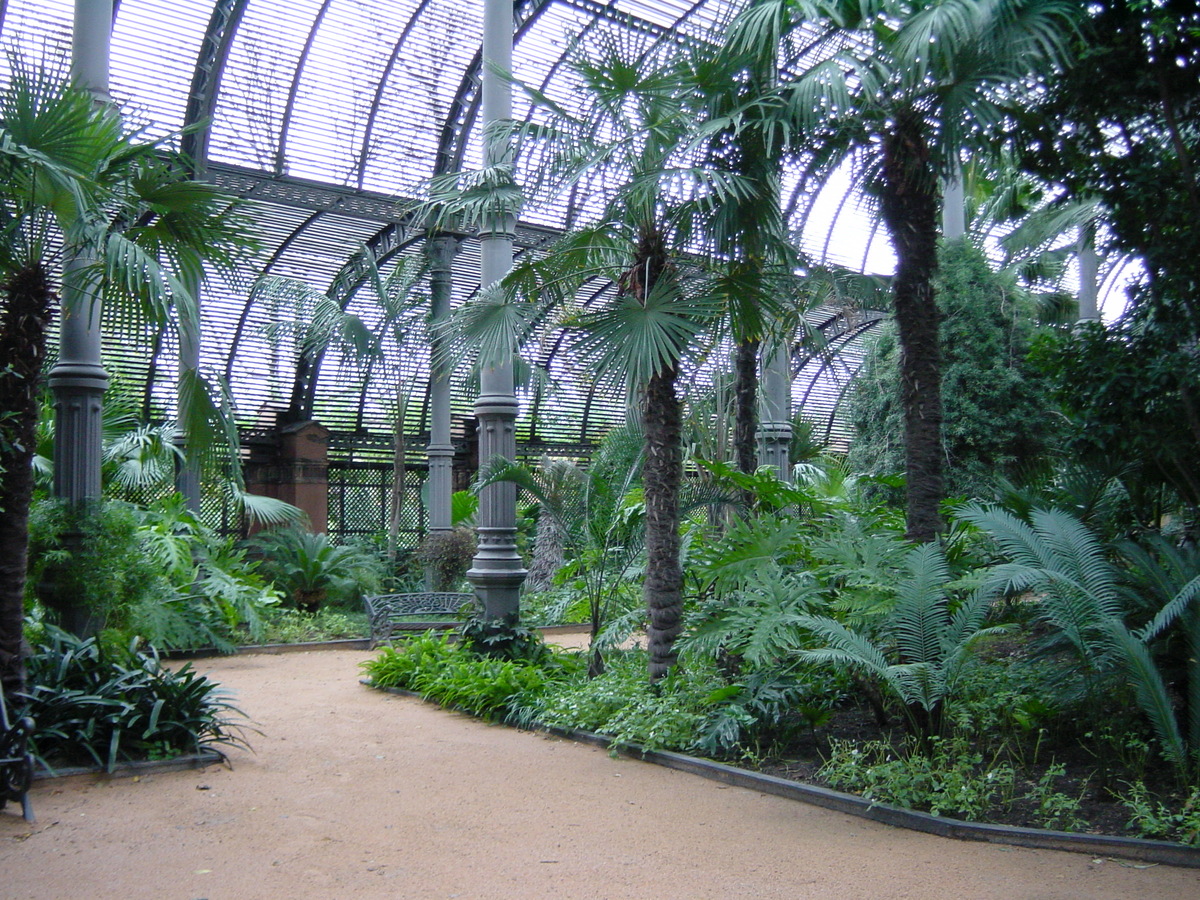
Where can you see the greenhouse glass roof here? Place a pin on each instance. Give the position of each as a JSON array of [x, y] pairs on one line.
[[327, 113]]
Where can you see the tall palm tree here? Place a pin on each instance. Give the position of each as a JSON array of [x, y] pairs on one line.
[[746, 233], [908, 88], [74, 182], [628, 144]]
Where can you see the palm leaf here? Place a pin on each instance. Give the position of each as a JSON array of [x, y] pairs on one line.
[[1150, 690]]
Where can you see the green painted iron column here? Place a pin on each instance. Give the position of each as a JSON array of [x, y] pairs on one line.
[[775, 410], [441, 249], [497, 572], [78, 380]]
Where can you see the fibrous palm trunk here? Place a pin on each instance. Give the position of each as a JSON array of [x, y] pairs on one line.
[[661, 476], [746, 402], [26, 314], [662, 473], [548, 552], [909, 204]]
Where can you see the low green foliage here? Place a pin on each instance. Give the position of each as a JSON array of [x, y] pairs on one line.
[[749, 717], [294, 626], [398, 666], [952, 780], [101, 705], [455, 675], [1151, 818], [622, 704]]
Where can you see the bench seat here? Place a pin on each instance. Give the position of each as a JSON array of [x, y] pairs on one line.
[[390, 613]]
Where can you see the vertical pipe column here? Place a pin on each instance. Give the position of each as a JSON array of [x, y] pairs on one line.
[[78, 379], [1089, 271], [497, 572], [775, 411], [187, 476], [954, 209], [442, 249]]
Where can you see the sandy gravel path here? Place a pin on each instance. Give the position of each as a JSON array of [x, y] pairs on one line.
[[352, 793]]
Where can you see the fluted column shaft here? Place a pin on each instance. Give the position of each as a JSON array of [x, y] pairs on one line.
[[497, 572], [775, 412], [78, 380], [440, 452]]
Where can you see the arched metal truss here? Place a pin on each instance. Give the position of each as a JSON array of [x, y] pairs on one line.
[[327, 113]]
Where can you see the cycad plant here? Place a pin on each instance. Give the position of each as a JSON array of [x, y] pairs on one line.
[[1086, 598], [310, 569], [918, 650]]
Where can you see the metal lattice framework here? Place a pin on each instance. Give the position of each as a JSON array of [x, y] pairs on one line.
[[327, 113]]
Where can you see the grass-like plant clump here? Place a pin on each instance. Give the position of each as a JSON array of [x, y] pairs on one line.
[[102, 705]]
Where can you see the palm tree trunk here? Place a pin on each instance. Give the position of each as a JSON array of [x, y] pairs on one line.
[[22, 353], [909, 204], [548, 552], [662, 473], [746, 405]]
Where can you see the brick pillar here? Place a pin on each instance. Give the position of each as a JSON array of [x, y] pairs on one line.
[[294, 468]]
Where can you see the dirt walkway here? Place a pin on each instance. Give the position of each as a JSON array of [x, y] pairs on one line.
[[353, 793]]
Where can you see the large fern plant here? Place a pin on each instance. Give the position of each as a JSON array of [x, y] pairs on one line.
[[1086, 598], [918, 649]]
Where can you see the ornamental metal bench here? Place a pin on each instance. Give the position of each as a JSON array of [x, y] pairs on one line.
[[16, 763], [390, 613]]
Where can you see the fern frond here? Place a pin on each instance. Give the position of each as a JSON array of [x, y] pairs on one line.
[[921, 614]]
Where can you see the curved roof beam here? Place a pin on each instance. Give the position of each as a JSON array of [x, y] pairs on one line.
[[385, 75], [289, 108], [240, 328], [206, 81], [452, 145]]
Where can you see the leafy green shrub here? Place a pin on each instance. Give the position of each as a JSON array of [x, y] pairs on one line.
[[107, 571], [155, 573], [220, 597], [497, 639], [104, 705], [311, 570], [999, 418], [447, 555]]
